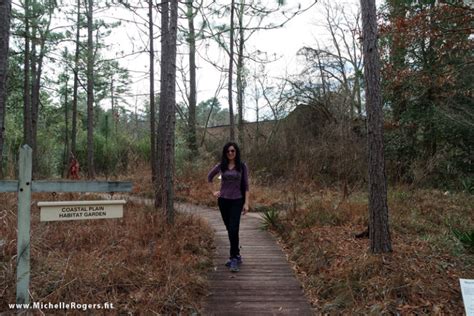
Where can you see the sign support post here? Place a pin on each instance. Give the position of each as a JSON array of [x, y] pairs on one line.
[[24, 218]]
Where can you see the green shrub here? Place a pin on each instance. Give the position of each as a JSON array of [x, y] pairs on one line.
[[468, 185], [465, 237], [271, 219]]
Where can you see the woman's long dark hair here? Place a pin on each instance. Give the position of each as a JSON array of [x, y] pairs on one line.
[[225, 161]]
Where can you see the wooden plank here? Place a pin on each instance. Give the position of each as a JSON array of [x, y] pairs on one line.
[[243, 287], [9, 186], [252, 281], [257, 308], [256, 267], [230, 292], [81, 186], [256, 275], [23, 243], [255, 311], [256, 297]]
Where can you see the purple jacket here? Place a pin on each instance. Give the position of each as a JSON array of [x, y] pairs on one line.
[[230, 182]]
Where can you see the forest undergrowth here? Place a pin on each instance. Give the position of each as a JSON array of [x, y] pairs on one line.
[[316, 227], [138, 263]]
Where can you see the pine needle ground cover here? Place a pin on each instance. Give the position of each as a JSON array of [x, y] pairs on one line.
[[138, 263], [316, 227], [422, 274]]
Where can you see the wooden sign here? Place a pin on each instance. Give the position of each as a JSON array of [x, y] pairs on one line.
[[77, 210]]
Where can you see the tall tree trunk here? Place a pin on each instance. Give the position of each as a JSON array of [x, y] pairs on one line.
[[66, 129], [76, 82], [115, 114], [164, 190], [90, 93], [5, 13], [358, 88], [37, 70], [169, 166], [26, 80], [257, 110], [231, 72], [378, 210], [34, 96], [240, 75], [207, 122], [192, 142], [321, 73], [164, 65], [152, 93]]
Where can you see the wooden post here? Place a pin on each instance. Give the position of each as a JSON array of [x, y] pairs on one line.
[[23, 241]]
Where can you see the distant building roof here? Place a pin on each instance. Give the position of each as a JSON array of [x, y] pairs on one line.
[[245, 123]]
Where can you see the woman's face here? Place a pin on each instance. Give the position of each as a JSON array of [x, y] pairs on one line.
[[231, 153]]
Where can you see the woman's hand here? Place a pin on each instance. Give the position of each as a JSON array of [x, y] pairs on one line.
[[245, 209], [216, 193]]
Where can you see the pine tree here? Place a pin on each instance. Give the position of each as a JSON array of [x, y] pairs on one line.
[[5, 14], [379, 232]]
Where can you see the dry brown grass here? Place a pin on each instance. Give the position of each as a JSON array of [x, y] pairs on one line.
[[422, 274], [190, 184], [138, 263], [339, 275]]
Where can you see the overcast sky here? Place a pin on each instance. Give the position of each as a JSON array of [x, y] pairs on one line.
[[282, 44]]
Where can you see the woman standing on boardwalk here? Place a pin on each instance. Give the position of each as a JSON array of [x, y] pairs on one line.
[[233, 197]]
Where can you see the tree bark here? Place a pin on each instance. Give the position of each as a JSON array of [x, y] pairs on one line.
[[192, 141], [34, 96], [76, 82], [90, 92], [5, 14], [164, 189], [26, 80], [240, 76], [152, 93], [169, 166], [164, 65], [378, 210], [231, 72], [66, 130], [36, 72]]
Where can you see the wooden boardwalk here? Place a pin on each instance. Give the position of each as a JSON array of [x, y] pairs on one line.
[[265, 285]]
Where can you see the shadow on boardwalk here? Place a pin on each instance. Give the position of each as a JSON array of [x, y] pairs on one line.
[[265, 285]]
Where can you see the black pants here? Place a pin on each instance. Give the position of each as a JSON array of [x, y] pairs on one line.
[[230, 211]]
